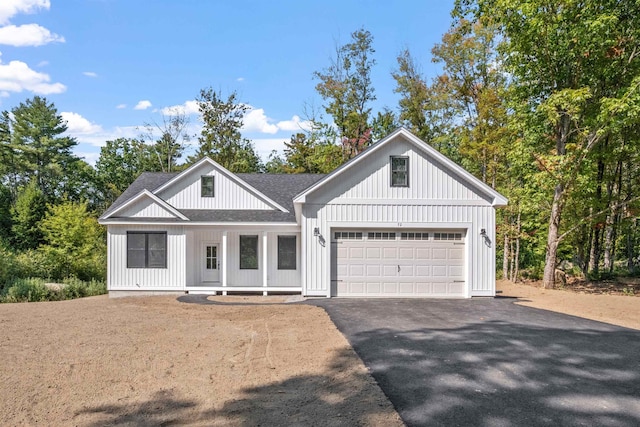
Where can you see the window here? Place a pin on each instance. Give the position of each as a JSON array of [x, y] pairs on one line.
[[146, 249], [286, 252], [248, 252], [447, 236], [414, 236], [381, 236], [348, 235], [206, 186], [399, 171]]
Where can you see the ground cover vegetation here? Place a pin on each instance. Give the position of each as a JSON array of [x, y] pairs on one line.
[[538, 99]]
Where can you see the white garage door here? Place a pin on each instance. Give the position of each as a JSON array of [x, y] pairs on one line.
[[392, 263]]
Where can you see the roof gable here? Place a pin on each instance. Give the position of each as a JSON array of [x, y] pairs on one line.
[[368, 161], [170, 190], [145, 205]]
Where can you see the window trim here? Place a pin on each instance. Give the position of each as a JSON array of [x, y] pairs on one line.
[[242, 267], [406, 171], [146, 248], [295, 252], [202, 186]]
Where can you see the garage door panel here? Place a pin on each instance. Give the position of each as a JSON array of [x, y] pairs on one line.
[[374, 253], [356, 253], [373, 270], [406, 253], [415, 267], [423, 253]]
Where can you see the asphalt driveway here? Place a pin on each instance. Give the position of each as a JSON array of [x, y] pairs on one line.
[[489, 362]]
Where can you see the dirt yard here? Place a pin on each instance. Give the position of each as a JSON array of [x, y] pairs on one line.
[[583, 301], [157, 361]]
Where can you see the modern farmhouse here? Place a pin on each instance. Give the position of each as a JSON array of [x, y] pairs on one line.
[[398, 220]]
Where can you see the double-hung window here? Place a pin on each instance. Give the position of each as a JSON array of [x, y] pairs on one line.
[[146, 249], [399, 171], [286, 252], [248, 252]]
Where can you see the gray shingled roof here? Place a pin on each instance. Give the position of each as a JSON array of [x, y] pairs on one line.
[[281, 188]]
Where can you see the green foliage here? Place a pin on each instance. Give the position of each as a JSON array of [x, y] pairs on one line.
[[220, 138], [347, 88], [29, 209], [35, 290], [74, 242]]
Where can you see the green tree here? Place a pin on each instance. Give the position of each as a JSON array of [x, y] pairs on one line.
[[121, 161], [220, 137], [415, 96], [346, 87], [574, 65], [30, 207], [170, 137], [73, 242], [40, 152]]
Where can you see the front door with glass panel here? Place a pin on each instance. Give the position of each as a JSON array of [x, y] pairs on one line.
[[210, 263]]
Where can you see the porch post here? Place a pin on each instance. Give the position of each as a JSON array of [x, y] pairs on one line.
[[224, 261], [264, 262]]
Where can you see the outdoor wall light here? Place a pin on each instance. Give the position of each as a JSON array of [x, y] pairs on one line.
[[483, 232], [316, 231]]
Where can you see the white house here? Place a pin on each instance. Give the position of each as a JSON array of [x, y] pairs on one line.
[[398, 220]]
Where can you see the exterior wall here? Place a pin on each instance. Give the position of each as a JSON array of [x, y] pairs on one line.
[[197, 236], [362, 197], [185, 194], [370, 180], [119, 277], [146, 208]]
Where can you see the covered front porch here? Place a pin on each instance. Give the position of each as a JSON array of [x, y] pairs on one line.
[[243, 258]]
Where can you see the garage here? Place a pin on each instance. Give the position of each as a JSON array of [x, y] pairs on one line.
[[398, 263]]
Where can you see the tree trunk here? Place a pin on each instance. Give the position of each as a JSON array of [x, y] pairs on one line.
[[551, 260], [608, 244], [516, 261], [505, 257]]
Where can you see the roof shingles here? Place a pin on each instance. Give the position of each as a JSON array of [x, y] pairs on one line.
[[281, 188]]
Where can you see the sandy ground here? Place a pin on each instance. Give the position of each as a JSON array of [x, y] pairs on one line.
[[615, 309], [153, 361]]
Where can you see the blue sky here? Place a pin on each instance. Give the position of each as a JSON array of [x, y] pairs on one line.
[[111, 65]]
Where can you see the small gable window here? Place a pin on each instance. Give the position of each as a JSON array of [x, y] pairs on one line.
[[399, 171], [286, 252], [207, 188]]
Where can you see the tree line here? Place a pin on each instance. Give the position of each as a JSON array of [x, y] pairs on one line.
[[539, 100]]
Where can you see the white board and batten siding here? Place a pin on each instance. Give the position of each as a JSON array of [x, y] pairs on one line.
[[186, 193], [436, 199], [146, 208], [236, 277], [121, 278]]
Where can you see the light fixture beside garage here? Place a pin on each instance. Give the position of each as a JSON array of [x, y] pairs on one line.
[[483, 232], [316, 231]]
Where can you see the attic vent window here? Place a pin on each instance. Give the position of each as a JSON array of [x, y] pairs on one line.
[[206, 186], [399, 171]]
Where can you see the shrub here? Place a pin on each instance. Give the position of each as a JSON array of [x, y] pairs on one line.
[[34, 290]]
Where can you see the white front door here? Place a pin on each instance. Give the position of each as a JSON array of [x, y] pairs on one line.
[[210, 263]]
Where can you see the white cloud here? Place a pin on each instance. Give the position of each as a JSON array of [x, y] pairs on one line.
[[89, 157], [27, 35], [90, 74], [240, 79], [43, 63], [121, 106], [142, 105], [187, 109], [16, 76], [98, 139], [256, 121], [10, 8], [76, 124], [294, 125]]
